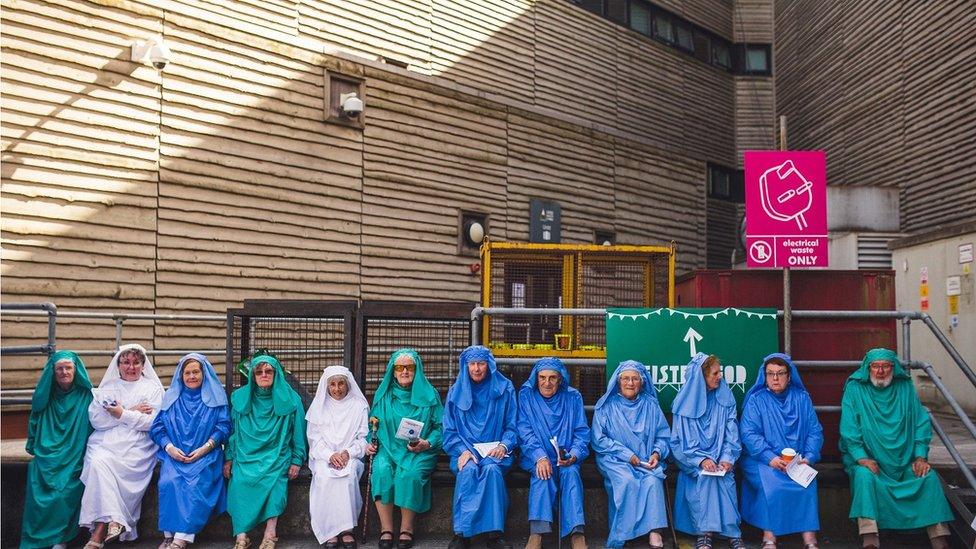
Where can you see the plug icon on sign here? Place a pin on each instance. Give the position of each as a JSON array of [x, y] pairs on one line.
[[786, 193]]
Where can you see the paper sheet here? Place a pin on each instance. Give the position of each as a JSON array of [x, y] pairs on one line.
[[484, 447], [801, 473], [719, 473], [409, 429]]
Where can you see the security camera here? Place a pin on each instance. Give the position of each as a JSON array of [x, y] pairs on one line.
[[152, 51], [350, 105], [159, 55]]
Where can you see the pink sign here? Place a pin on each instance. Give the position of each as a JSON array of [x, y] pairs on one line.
[[786, 209]]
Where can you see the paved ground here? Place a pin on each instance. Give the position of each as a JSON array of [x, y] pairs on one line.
[[792, 542]]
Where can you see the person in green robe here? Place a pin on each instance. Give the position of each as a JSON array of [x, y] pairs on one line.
[[56, 436], [884, 440], [265, 451], [402, 467]]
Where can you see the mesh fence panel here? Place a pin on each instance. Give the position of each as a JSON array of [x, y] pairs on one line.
[[304, 346], [519, 282], [438, 341], [605, 282]]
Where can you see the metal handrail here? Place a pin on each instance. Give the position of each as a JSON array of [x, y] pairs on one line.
[[953, 452], [40, 309]]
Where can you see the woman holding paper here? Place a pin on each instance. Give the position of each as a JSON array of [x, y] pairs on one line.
[[409, 438], [121, 457], [631, 442], [778, 414], [337, 443], [705, 444]]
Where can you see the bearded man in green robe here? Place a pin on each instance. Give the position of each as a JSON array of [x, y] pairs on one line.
[[57, 434], [264, 452], [884, 439]]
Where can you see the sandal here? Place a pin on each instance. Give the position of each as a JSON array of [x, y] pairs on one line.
[[347, 540], [93, 545], [242, 543], [268, 543], [386, 543], [770, 544], [178, 544], [736, 543], [165, 544], [332, 543], [704, 542], [113, 532], [811, 546], [405, 543]]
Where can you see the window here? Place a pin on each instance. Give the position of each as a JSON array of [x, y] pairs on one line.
[[683, 37], [651, 20], [617, 11], [640, 18], [720, 54], [472, 229], [662, 28], [593, 6], [725, 184]]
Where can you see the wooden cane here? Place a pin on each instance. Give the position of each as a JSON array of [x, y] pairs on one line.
[[374, 423]]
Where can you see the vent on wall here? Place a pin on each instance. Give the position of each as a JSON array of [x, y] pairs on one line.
[[872, 250]]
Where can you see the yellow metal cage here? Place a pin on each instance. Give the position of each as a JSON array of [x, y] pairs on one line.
[[516, 274]]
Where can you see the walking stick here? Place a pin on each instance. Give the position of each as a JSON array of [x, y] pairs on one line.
[[667, 508], [374, 425]]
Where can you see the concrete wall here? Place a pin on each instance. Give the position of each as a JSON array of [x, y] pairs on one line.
[[939, 259]]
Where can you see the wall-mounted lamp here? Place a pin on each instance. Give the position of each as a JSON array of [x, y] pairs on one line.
[[350, 105], [152, 51], [472, 229]]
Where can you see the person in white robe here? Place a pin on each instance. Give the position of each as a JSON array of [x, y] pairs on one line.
[[337, 443], [120, 456]]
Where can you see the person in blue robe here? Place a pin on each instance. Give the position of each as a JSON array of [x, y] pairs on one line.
[[548, 407], [777, 413], [631, 440], [192, 424], [479, 437], [705, 445]]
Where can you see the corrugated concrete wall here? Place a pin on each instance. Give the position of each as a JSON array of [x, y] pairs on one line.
[[220, 178], [886, 88]]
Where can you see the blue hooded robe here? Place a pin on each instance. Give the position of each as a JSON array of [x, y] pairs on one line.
[[191, 493], [770, 422], [539, 419], [623, 428], [704, 426], [475, 413]]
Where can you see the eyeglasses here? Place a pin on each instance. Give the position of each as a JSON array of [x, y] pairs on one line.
[[264, 372], [401, 367], [881, 366], [777, 374]]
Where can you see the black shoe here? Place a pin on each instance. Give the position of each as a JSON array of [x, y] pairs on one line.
[[347, 540], [386, 543], [498, 542], [459, 542], [405, 543]]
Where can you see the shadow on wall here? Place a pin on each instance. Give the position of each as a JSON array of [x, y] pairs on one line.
[[189, 190]]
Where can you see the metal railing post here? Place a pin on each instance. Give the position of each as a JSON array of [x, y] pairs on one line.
[[953, 452], [949, 347], [118, 332], [52, 327], [949, 398], [906, 339]]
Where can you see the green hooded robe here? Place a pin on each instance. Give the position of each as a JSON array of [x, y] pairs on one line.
[[400, 476], [890, 426], [56, 436], [268, 437]]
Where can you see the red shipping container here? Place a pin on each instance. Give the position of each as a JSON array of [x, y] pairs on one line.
[[812, 339]]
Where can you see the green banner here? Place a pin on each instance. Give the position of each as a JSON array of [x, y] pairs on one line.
[[664, 340]]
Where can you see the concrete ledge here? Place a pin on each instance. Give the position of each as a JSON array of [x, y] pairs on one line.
[[436, 524]]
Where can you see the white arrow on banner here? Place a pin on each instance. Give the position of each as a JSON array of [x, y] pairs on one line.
[[691, 337]]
